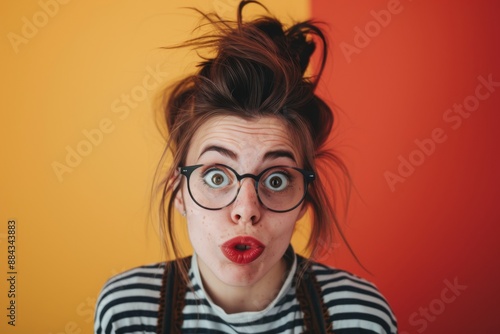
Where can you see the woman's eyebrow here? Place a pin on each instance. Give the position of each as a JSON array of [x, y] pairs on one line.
[[279, 154], [234, 156], [224, 151]]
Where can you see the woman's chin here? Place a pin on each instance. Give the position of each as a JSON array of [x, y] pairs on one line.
[[238, 275]]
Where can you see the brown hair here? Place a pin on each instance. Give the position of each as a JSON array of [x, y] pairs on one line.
[[258, 70]]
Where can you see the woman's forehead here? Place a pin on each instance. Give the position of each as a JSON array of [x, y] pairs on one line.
[[259, 125], [242, 135]]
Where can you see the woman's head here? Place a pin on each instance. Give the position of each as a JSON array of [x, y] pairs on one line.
[[241, 229], [254, 86]]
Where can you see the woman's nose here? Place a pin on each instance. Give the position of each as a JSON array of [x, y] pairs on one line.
[[246, 208]]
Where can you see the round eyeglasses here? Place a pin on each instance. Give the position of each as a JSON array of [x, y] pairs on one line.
[[279, 188]]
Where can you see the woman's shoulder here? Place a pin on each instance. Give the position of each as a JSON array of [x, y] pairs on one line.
[[145, 272], [342, 279], [353, 301], [130, 300]]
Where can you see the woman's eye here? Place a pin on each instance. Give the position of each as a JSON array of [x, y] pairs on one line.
[[276, 181], [216, 178]]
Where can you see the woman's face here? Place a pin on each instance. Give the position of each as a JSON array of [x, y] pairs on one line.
[[247, 146]]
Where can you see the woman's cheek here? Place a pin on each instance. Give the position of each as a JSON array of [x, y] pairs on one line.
[[283, 226], [195, 233], [202, 233]]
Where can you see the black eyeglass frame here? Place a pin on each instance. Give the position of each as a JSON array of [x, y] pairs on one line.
[[309, 177]]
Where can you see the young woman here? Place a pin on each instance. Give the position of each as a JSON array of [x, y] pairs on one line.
[[246, 134]]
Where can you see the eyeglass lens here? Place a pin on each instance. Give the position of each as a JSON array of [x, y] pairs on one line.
[[216, 186]]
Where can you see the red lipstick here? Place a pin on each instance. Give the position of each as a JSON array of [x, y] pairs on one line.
[[242, 250]]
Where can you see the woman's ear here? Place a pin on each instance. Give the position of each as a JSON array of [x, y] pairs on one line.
[[179, 198], [179, 202]]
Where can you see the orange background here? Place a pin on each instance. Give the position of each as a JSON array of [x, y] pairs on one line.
[[83, 69], [75, 72]]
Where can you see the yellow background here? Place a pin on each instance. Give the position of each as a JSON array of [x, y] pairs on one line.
[[69, 76]]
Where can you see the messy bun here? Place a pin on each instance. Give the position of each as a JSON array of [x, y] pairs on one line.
[[257, 68]]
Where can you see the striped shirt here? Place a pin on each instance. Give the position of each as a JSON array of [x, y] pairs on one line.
[[129, 303]]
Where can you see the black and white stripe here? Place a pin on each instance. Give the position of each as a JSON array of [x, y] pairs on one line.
[[129, 303]]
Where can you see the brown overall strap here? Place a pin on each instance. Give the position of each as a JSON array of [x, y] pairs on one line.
[[172, 298], [316, 316]]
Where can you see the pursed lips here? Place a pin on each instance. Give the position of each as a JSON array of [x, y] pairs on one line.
[[242, 249]]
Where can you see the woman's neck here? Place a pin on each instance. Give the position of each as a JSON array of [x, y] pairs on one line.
[[236, 299]]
